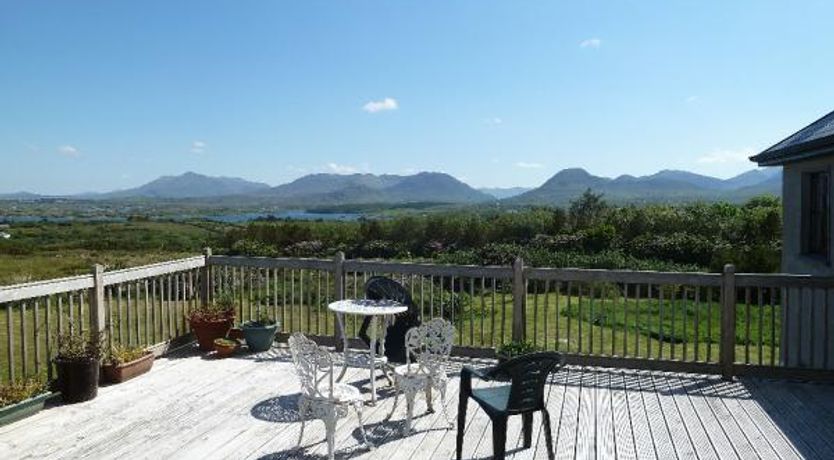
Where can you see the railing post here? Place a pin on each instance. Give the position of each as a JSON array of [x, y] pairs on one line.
[[338, 294], [519, 300], [728, 322], [98, 313], [205, 286]]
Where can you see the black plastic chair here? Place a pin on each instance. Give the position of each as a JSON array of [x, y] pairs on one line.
[[383, 288], [524, 395]]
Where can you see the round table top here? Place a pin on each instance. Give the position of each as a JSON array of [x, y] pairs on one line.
[[367, 307]]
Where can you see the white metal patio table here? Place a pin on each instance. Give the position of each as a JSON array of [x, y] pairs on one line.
[[384, 309]]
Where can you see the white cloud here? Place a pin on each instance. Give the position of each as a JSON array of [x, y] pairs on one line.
[[526, 165], [68, 150], [342, 169], [494, 121], [590, 43], [727, 156], [198, 147], [691, 99], [388, 103]]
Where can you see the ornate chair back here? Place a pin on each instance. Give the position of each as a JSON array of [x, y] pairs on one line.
[[430, 344], [313, 365]]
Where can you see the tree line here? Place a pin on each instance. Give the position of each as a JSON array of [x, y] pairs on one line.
[[590, 233]]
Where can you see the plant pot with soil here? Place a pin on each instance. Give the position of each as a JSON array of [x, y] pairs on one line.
[[77, 363], [125, 363], [260, 334], [19, 400], [235, 333], [224, 348], [212, 321]]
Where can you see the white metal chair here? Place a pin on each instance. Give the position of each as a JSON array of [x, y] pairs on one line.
[[431, 344], [321, 397]]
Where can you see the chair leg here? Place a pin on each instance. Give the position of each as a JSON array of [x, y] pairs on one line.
[[429, 397], [548, 435], [527, 429], [499, 437], [330, 433], [397, 391], [443, 405], [358, 409], [462, 402], [409, 402], [303, 409]]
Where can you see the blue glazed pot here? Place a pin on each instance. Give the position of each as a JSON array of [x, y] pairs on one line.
[[259, 337]]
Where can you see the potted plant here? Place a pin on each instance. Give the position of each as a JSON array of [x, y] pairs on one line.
[[19, 400], [224, 347], [124, 363], [235, 333], [260, 334], [77, 364], [513, 349], [212, 321]]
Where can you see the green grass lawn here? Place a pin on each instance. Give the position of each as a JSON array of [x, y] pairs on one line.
[[680, 329]]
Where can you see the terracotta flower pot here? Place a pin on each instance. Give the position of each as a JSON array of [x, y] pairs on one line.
[[223, 350], [118, 373], [207, 331]]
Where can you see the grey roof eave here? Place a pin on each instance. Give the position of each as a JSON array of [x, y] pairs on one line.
[[789, 157]]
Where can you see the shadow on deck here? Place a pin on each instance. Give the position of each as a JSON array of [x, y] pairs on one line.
[[192, 406]]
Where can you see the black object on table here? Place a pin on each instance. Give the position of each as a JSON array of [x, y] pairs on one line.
[[383, 288], [524, 395]]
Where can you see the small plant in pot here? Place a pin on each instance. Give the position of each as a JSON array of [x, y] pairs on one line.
[[125, 363], [77, 363], [260, 334], [212, 321], [224, 347], [19, 400], [513, 349]]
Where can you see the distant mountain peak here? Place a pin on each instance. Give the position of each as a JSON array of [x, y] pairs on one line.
[[190, 185], [426, 186]]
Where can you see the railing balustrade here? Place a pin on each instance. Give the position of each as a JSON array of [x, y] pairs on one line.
[[728, 323]]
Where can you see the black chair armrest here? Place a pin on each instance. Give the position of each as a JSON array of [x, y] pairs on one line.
[[482, 373]]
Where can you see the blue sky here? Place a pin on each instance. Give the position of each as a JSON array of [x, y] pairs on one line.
[[99, 95]]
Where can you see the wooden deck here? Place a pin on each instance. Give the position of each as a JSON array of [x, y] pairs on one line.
[[191, 406]]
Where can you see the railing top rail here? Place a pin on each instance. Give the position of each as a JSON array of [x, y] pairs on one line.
[[624, 276], [269, 262], [783, 280], [150, 271], [428, 269], [25, 291]]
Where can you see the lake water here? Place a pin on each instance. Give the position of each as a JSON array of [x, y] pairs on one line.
[[292, 215], [226, 218]]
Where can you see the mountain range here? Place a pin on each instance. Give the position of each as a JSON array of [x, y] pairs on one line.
[[664, 186], [433, 187]]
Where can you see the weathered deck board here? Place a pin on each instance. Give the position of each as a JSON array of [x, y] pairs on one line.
[[245, 407]]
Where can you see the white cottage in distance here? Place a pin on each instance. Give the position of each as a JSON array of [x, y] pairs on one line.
[[807, 159]]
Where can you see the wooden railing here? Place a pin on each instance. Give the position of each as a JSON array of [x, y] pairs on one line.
[[143, 306], [727, 323]]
